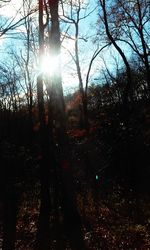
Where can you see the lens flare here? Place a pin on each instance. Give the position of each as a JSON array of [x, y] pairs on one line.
[[49, 65]]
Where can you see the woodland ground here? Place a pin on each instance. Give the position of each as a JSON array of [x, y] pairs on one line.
[[114, 215]]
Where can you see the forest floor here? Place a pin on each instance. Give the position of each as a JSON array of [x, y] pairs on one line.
[[112, 218], [113, 215]]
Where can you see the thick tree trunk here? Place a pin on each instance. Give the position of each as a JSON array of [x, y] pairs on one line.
[[72, 220], [43, 225]]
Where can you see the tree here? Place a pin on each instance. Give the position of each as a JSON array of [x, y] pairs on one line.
[[52, 133], [131, 19], [43, 228], [23, 58], [55, 106], [9, 90], [73, 13], [10, 24], [20, 61], [107, 21]]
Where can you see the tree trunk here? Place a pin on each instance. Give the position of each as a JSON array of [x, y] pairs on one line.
[[128, 88], [9, 223], [43, 226], [72, 220]]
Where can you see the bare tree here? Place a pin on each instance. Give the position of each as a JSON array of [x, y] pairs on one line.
[[112, 38], [43, 227], [73, 13], [133, 28], [8, 24], [54, 132]]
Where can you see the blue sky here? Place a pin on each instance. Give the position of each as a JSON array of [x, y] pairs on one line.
[[87, 29]]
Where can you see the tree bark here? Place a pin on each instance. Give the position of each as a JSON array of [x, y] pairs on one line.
[[72, 220], [43, 224]]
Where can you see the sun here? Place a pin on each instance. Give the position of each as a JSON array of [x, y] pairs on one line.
[[49, 65]]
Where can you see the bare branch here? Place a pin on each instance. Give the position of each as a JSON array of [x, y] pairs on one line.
[[96, 53]]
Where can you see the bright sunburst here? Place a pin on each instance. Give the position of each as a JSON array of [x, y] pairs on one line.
[[49, 65]]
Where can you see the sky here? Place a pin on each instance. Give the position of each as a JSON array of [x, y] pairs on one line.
[[68, 68], [85, 48], [87, 29], [9, 9]]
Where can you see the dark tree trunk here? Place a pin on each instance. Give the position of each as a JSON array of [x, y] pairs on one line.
[[128, 93], [9, 197], [9, 223], [72, 220], [145, 53], [43, 225]]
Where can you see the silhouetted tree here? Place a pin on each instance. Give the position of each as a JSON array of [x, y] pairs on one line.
[[131, 21], [78, 12], [112, 38]]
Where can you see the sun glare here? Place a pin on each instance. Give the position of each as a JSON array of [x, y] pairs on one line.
[[49, 65]]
